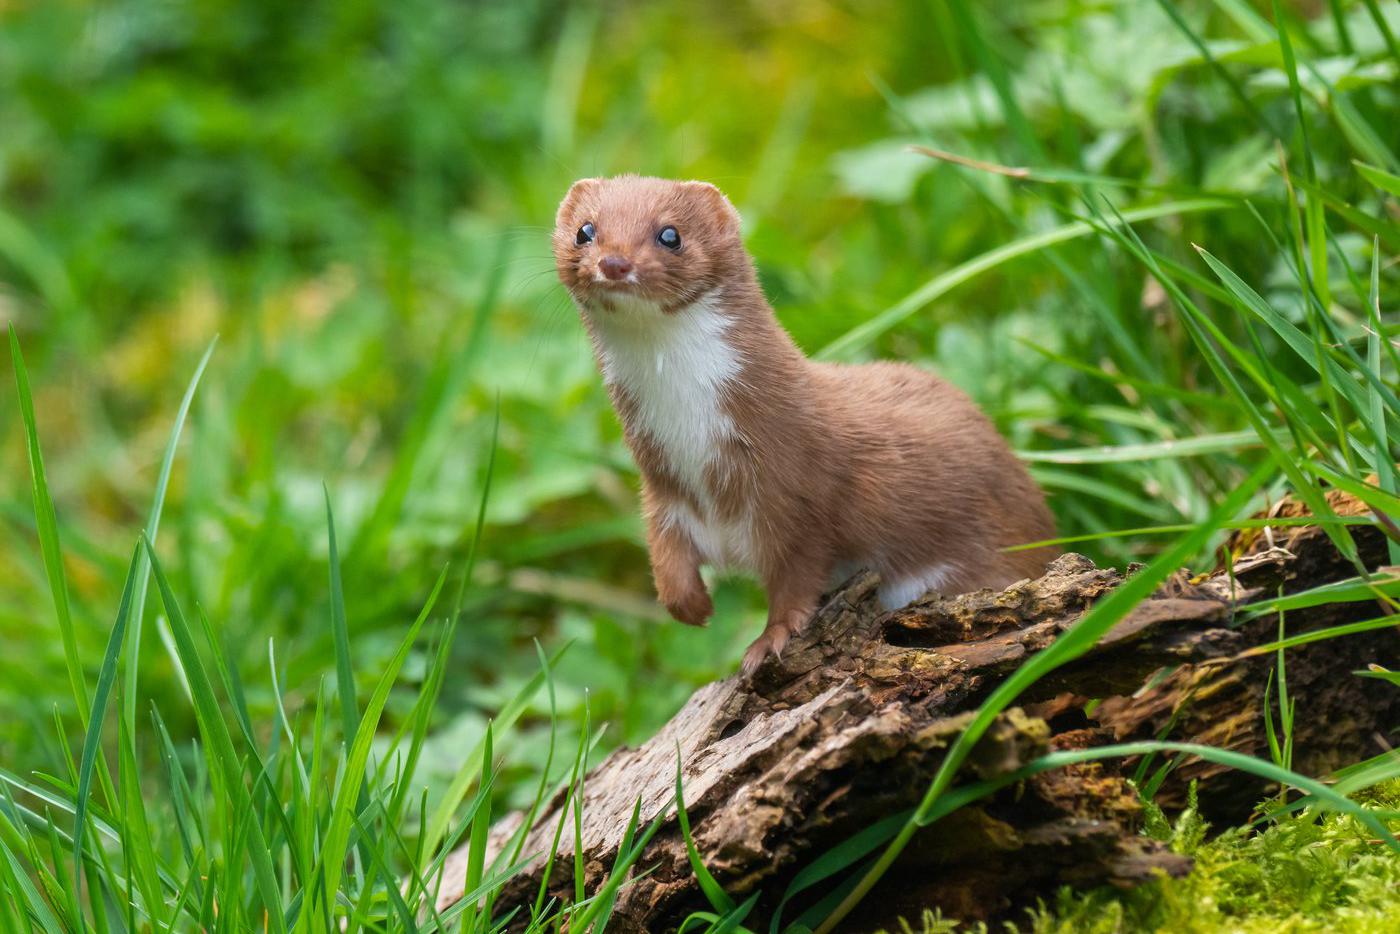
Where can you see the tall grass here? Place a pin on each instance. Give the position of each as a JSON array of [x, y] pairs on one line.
[[1178, 249], [1338, 423], [304, 824]]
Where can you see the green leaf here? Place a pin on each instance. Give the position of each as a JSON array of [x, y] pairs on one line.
[[1383, 28], [1207, 335], [1236, 89], [141, 848], [1373, 496], [1320, 792], [1301, 343]]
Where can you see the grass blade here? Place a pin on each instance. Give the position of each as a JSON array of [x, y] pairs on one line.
[[138, 605], [344, 668], [457, 791], [340, 633], [619, 874], [1331, 632], [867, 331], [105, 678], [338, 832], [216, 734], [1236, 89], [444, 383], [1382, 179], [46, 520], [1147, 451], [481, 826], [714, 892], [624, 847], [838, 859], [34, 903], [1351, 590]]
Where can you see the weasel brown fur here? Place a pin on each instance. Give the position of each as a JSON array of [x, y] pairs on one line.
[[754, 457]]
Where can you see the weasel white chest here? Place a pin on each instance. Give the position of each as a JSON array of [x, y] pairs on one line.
[[675, 368]]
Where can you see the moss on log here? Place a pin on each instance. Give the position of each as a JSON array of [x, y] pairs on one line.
[[848, 727]]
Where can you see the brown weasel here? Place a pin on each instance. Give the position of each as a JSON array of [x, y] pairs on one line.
[[755, 458]]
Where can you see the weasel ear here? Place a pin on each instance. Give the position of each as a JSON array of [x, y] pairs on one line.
[[577, 191], [724, 213]]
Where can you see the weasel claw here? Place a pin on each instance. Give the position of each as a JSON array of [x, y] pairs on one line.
[[772, 640]]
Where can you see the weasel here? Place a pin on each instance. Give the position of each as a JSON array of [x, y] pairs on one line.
[[755, 458]]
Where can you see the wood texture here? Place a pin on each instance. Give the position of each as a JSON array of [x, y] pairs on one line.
[[850, 724]]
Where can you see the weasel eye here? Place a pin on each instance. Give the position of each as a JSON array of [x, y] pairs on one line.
[[585, 234], [669, 238]]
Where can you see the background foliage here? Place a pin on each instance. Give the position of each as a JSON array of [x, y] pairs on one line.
[[356, 198]]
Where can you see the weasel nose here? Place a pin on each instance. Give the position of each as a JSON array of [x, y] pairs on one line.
[[614, 267]]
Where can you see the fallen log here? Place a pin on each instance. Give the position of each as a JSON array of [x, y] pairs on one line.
[[849, 726]]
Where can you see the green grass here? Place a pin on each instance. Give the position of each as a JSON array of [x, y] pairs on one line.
[[1162, 259], [1305, 873]]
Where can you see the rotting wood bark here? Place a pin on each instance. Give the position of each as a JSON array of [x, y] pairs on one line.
[[850, 725]]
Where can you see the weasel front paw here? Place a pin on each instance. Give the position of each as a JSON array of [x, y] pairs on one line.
[[692, 607]]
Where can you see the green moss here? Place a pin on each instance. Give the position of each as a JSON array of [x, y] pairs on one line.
[[1305, 873]]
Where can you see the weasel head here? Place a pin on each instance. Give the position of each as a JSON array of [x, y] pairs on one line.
[[627, 242]]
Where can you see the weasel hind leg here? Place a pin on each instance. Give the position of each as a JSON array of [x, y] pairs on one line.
[[794, 589]]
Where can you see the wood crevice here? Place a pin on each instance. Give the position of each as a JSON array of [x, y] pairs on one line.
[[850, 724]]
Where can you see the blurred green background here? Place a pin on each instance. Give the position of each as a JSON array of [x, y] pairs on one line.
[[355, 197]]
